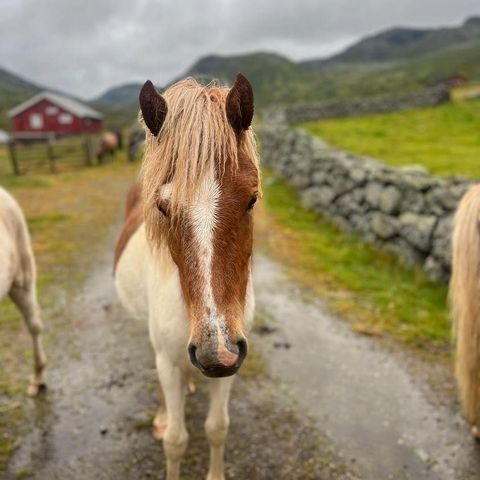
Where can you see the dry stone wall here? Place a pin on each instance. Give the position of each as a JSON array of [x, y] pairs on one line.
[[428, 97], [404, 210]]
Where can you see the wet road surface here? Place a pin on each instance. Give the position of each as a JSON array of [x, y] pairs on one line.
[[362, 397]]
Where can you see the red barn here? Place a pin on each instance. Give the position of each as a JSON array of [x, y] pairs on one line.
[[49, 112]]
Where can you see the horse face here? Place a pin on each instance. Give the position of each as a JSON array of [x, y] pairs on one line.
[[211, 243], [207, 210]]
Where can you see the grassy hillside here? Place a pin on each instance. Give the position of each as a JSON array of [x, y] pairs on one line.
[[445, 139], [124, 95], [13, 90]]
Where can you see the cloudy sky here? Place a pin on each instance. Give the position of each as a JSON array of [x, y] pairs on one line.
[[87, 46]]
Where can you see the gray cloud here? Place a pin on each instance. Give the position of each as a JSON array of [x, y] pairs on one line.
[[85, 47]]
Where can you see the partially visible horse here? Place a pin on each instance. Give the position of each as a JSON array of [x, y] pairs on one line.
[[183, 259], [18, 279], [136, 141], [109, 143], [465, 303]]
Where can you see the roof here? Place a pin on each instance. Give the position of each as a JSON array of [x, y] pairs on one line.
[[73, 106]]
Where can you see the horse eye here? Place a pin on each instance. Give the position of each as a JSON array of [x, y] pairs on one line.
[[162, 206], [251, 203]]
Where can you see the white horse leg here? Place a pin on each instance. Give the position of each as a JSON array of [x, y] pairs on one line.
[[160, 420], [216, 425], [175, 438], [26, 300]]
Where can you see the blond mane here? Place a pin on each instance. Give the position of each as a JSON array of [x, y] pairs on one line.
[[195, 138]]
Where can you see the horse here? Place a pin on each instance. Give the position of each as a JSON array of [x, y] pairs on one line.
[[464, 296], [18, 279], [108, 145], [183, 260]]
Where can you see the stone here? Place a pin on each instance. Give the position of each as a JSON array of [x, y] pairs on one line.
[[418, 229], [442, 237], [434, 270], [384, 226], [319, 177], [326, 196], [413, 201], [372, 193], [340, 183], [349, 203], [358, 175], [452, 196], [310, 197], [390, 199], [415, 169], [300, 180]]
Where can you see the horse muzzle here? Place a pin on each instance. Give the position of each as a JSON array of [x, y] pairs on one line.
[[218, 360]]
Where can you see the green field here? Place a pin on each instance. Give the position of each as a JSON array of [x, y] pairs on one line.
[[445, 139]]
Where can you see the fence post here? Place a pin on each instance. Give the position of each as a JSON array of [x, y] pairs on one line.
[[51, 155], [13, 157], [88, 151]]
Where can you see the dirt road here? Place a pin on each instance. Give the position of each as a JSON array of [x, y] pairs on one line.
[[315, 401]]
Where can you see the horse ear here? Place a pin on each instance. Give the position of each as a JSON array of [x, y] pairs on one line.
[[153, 106], [239, 104]]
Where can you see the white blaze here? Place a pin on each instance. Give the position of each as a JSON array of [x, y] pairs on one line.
[[203, 215]]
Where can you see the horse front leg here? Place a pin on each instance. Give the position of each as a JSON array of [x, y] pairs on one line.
[[175, 436], [26, 300], [216, 425]]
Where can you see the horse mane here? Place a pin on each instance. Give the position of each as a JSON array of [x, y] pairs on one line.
[[464, 296], [195, 138]]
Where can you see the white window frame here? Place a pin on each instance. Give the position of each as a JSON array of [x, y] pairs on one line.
[[36, 121]]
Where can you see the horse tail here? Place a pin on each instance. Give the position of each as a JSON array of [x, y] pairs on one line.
[[465, 303]]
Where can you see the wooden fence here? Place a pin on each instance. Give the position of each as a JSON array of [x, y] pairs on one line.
[[49, 152]]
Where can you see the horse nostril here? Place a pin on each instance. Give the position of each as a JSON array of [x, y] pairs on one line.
[[192, 349], [242, 350]]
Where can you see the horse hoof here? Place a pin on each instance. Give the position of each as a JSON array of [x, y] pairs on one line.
[[158, 431], [35, 389], [476, 433]]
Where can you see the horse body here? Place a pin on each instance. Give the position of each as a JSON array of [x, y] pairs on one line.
[[183, 259], [18, 278], [108, 145]]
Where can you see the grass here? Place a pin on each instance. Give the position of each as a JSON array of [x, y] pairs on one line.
[[369, 287], [70, 216], [445, 139]]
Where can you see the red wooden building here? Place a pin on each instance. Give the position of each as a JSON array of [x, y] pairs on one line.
[[49, 112]]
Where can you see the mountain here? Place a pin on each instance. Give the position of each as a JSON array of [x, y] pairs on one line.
[[405, 43], [13, 90], [125, 95], [395, 60], [275, 78]]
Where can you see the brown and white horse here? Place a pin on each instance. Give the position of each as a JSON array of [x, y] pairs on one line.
[[183, 259], [18, 278], [465, 303]]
